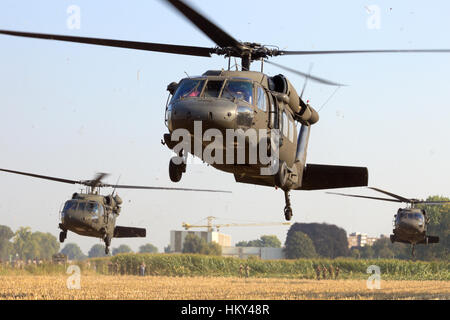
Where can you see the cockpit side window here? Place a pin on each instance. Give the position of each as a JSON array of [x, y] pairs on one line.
[[213, 89], [262, 99], [238, 89], [100, 211], [189, 88], [92, 207]]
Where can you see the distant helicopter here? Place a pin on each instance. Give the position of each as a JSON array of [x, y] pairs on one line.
[[232, 100], [410, 224], [94, 215]]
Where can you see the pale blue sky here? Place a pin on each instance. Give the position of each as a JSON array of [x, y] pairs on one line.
[[72, 110]]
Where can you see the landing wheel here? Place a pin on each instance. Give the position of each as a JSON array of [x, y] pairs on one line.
[[287, 208], [62, 236], [392, 237], [176, 170], [288, 213], [107, 244]]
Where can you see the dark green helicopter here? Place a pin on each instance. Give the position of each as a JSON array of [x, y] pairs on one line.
[[410, 224], [94, 215], [243, 100]]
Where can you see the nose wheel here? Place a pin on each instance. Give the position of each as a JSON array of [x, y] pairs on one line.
[[176, 170], [288, 213], [287, 208], [107, 244], [62, 236]]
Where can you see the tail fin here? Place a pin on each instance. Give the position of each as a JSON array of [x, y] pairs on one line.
[[129, 232], [318, 176]]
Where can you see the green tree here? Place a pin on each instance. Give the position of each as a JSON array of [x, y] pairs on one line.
[[6, 246], [439, 225], [265, 241], [355, 253], [242, 244], [148, 248], [123, 248], [367, 252], [195, 244], [23, 245], [73, 252], [212, 248], [97, 251], [299, 245], [6, 233], [46, 245], [270, 241], [329, 241]]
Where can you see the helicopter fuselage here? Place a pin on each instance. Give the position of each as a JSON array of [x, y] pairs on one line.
[[241, 108], [410, 226], [246, 123], [88, 215]]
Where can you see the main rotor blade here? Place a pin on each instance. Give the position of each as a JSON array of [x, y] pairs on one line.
[[41, 176], [432, 203], [147, 46], [215, 33], [365, 197], [402, 199], [160, 188], [306, 75], [287, 53]]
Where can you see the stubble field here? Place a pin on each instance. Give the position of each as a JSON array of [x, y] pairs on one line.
[[208, 288]]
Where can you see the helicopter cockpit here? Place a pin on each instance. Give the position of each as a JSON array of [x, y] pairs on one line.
[[231, 89], [94, 209], [417, 216]]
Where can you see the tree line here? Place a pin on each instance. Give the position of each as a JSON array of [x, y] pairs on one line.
[[329, 241], [27, 245], [303, 240]]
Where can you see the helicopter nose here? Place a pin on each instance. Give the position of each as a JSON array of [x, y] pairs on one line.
[[213, 113], [410, 227], [74, 220]]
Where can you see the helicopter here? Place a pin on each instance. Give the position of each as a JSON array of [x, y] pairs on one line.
[[242, 100], [94, 215], [410, 223]]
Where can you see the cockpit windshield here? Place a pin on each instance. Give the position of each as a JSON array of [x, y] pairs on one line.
[[92, 207], [189, 88], [70, 205], [238, 89]]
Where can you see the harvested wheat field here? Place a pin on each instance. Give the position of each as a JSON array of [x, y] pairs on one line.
[[201, 288]]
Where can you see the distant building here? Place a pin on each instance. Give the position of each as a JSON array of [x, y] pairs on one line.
[[177, 238], [177, 242], [358, 239], [370, 241]]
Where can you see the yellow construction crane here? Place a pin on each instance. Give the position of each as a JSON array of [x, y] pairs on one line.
[[210, 226]]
